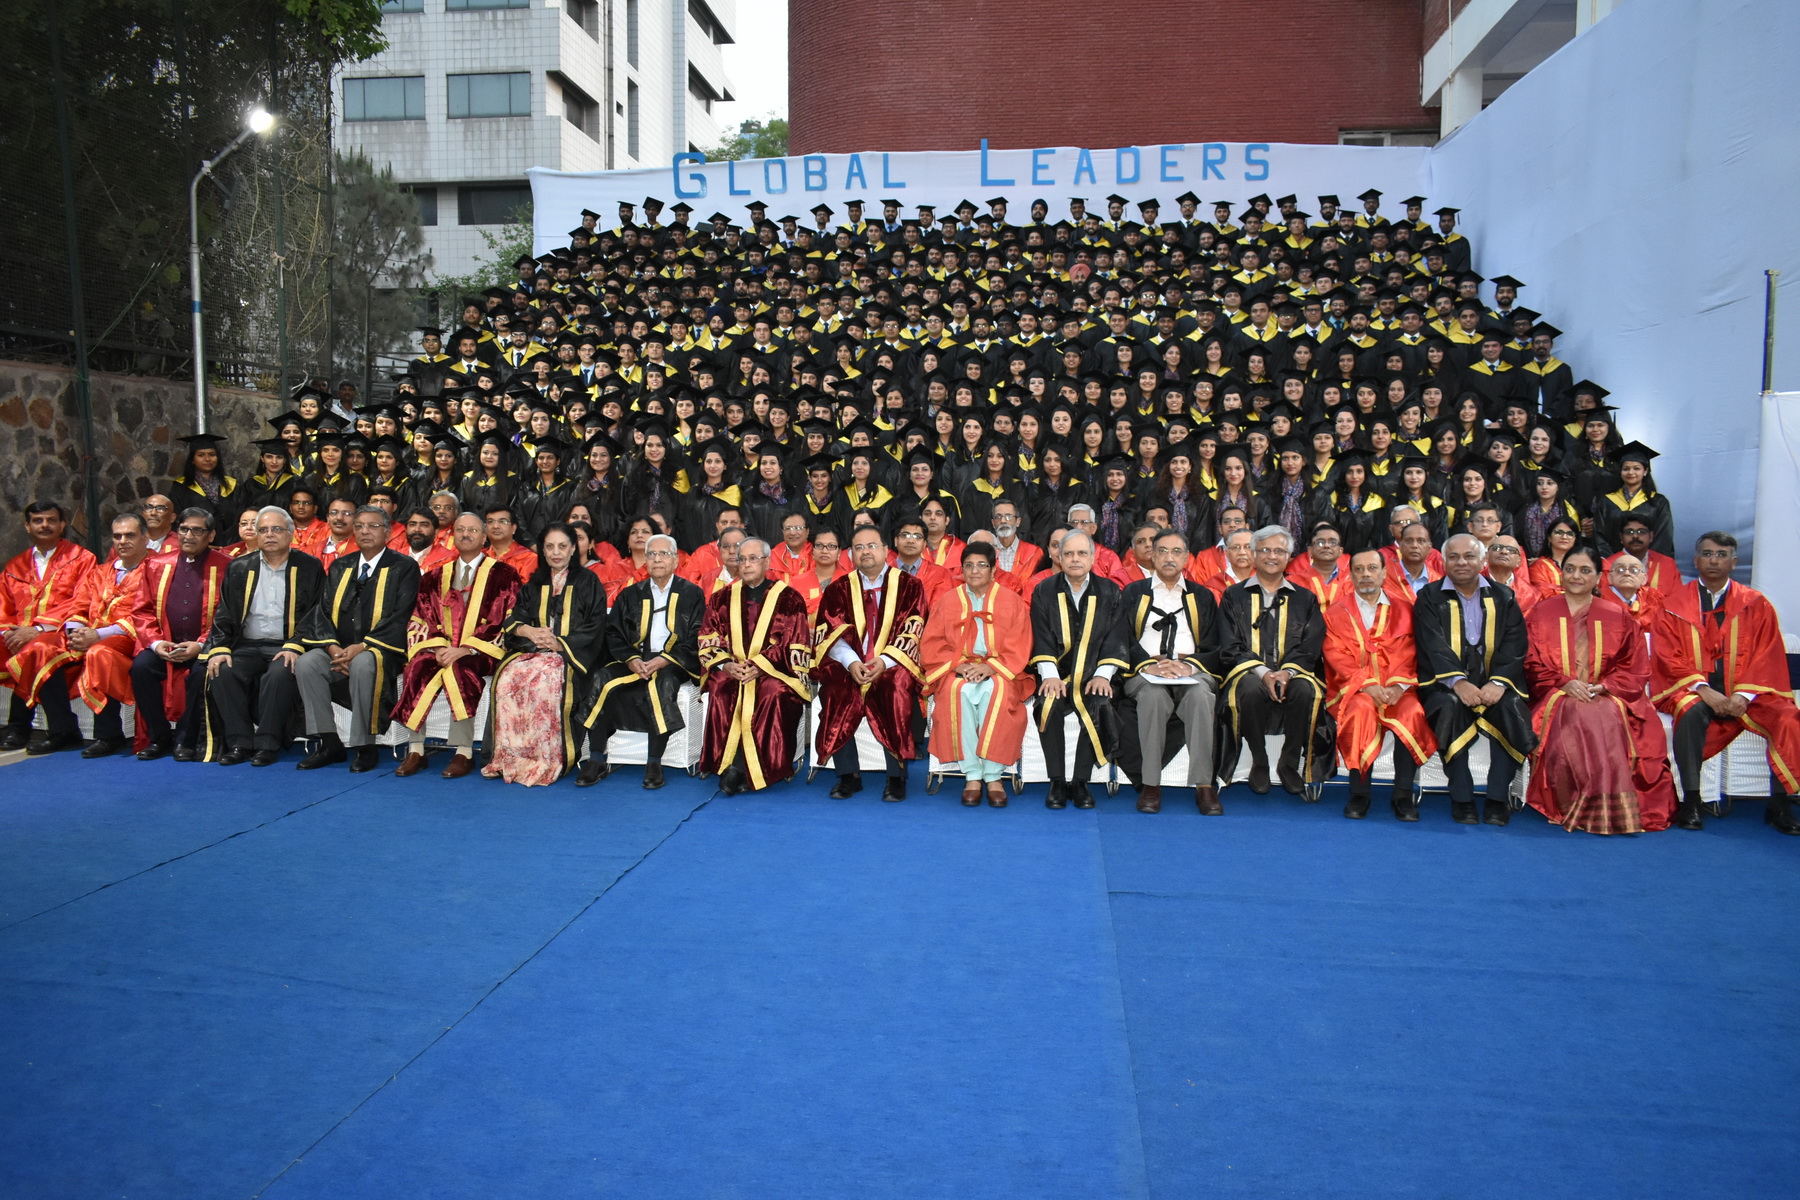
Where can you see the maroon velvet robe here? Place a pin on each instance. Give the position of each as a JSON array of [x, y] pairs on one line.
[[444, 617], [754, 725], [889, 626]]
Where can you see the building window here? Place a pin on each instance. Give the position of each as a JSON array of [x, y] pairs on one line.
[[491, 95], [472, 5], [491, 204], [585, 13], [402, 6], [631, 32], [701, 90], [581, 110], [1387, 137], [427, 198], [394, 98], [709, 23], [632, 146]]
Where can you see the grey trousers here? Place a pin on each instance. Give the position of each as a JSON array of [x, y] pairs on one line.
[[313, 675], [1155, 704]]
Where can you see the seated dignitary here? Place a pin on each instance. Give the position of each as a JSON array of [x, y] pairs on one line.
[[1170, 637], [652, 647], [1625, 584], [101, 634], [869, 622], [974, 653], [180, 595], [555, 639], [1074, 627], [1636, 535], [37, 595], [1274, 637], [1471, 645], [269, 592], [1602, 762], [1719, 667], [1372, 675], [756, 647], [454, 641], [352, 649]]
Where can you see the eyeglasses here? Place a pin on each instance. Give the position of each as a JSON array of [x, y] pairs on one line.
[[1170, 552], [159, 508], [659, 554], [1715, 553], [1622, 569], [1506, 551]]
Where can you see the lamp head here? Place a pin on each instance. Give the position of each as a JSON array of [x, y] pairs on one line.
[[260, 120]]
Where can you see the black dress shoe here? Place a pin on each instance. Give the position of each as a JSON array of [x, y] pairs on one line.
[[103, 748], [55, 744], [1781, 817], [186, 754], [592, 772], [1496, 812], [1687, 815], [653, 776], [1058, 795], [1291, 780], [895, 789], [1404, 806], [1259, 778], [363, 758], [848, 784], [156, 750], [1079, 792], [327, 754], [265, 758], [14, 739], [1463, 812], [732, 781], [233, 756], [1357, 807]]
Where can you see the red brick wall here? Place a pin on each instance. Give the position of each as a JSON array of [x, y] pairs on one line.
[[934, 75]]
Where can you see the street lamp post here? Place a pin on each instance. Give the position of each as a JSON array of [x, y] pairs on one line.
[[259, 121]]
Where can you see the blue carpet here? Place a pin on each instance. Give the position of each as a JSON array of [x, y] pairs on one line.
[[368, 987]]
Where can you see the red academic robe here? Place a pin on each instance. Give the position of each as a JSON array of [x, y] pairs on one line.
[[949, 641], [1645, 607], [1396, 575], [1302, 573], [27, 600], [1524, 591], [615, 577], [753, 724], [524, 560], [1206, 563], [1747, 646], [444, 617], [100, 601], [1545, 576], [1028, 560], [1220, 580], [935, 579], [1357, 656], [890, 625], [1660, 571], [948, 555], [311, 536], [1602, 749], [702, 568], [330, 550], [785, 562], [152, 625]]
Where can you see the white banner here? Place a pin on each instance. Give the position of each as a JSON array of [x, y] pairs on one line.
[[1232, 171], [1776, 573]]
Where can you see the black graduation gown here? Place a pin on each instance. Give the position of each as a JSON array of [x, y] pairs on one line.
[[1445, 653], [1079, 637], [1287, 635], [536, 508], [1611, 509], [188, 494], [616, 693], [577, 616], [1200, 614], [373, 613]]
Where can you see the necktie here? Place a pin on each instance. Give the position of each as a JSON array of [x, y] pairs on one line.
[[364, 577]]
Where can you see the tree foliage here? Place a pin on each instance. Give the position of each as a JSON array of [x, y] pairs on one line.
[[378, 262], [755, 138], [504, 244]]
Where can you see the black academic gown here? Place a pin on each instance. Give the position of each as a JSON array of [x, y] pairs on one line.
[[1445, 652], [1287, 634], [1079, 637], [616, 698], [373, 613]]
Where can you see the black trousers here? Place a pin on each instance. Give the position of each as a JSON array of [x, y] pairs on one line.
[[1405, 771], [53, 698], [149, 671], [1501, 769], [276, 694], [848, 760], [1260, 715], [1050, 735], [1690, 746], [600, 733]]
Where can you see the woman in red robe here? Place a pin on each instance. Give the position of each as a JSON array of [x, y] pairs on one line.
[[1602, 761]]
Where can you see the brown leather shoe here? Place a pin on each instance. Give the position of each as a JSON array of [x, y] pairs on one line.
[[459, 766], [996, 793], [1206, 799], [1151, 799], [412, 765], [972, 793]]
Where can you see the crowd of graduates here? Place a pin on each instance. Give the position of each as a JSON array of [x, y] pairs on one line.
[[1223, 371]]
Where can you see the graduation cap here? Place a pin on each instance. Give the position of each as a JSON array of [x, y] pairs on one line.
[[1259, 198], [202, 441], [272, 446], [818, 210], [1446, 211], [1145, 206], [997, 200], [524, 260], [1187, 198], [1506, 281], [1545, 329], [281, 420], [1589, 387], [1331, 200], [1371, 194], [1412, 200], [1115, 198], [1637, 452], [548, 445]]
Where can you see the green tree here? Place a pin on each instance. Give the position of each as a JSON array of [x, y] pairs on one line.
[[378, 264], [505, 243], [755, 138]]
